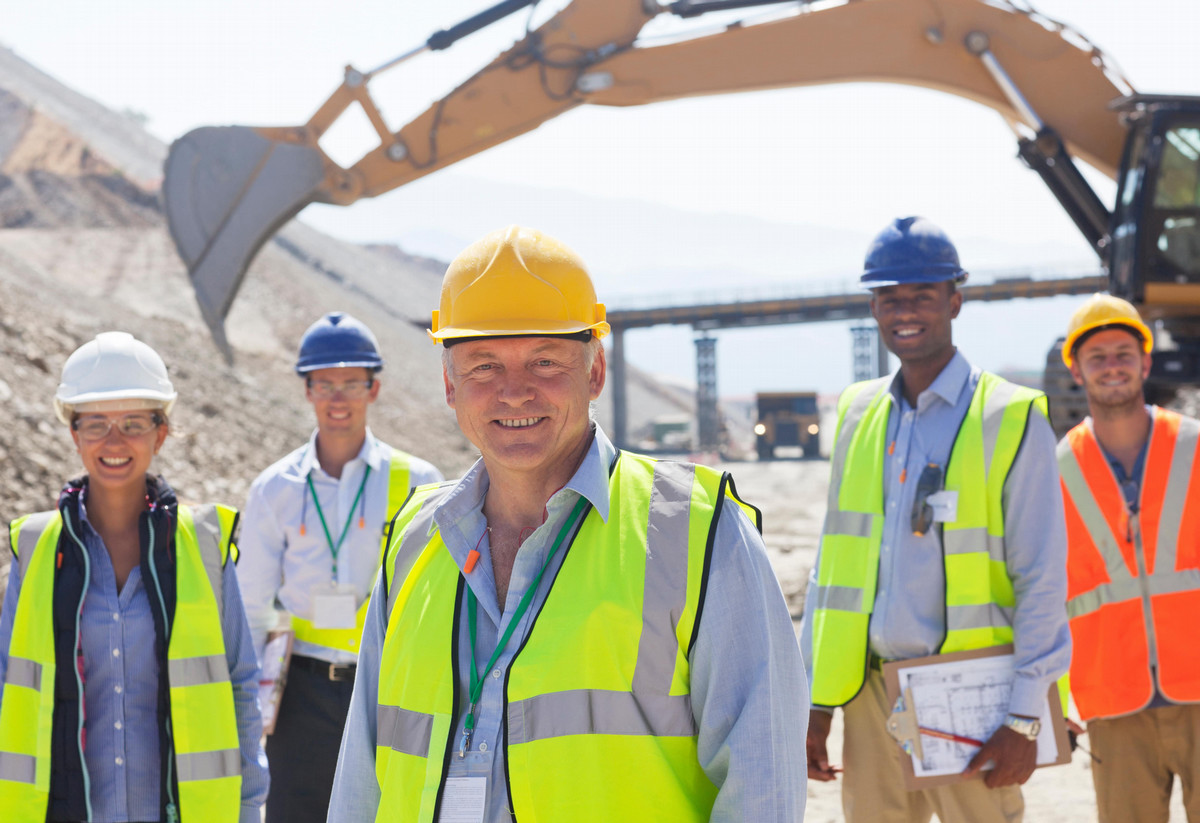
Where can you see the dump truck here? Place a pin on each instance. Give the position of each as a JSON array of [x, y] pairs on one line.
[[787, 419]]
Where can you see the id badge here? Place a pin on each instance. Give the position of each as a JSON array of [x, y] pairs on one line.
[[945, 505], [335, 606], [463, 800]]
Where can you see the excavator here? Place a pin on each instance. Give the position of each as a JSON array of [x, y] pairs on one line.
[[227, 190]]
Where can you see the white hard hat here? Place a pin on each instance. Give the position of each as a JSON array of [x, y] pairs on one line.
[[113, 367]]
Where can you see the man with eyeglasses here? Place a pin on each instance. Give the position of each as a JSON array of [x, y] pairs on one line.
[[1133, 570], [312, 537], [943, 533]]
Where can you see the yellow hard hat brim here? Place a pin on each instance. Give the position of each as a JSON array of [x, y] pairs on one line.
[[1068, 349], [515, 327]]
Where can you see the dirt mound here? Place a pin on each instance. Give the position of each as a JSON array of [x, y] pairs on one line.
[[84, 249]]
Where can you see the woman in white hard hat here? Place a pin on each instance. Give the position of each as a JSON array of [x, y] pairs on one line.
[[127, 674]]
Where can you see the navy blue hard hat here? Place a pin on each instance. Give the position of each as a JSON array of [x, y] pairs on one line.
[[911, 250], [337, 341]]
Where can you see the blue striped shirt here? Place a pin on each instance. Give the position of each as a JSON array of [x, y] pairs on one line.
[[121, 689]]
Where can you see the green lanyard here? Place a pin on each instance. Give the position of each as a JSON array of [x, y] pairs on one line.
[[334, 548], [522, 607]]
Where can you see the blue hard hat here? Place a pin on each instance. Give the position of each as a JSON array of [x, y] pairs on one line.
[[911, 250], [337, 341]]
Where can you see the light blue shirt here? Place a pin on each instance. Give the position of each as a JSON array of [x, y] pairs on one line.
[[749, 694], [285, 563], [1131, 490], [908, 619], [121, 689]]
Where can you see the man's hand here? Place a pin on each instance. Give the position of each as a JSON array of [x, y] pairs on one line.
[[1014, 757], [818, 757]]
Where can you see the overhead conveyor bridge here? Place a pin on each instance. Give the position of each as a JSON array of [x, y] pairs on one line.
[[777, 310]]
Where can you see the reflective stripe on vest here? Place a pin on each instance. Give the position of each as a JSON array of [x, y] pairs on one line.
[[598, 694], [27, 711], [203, 723], [347, 639], [1133, 579], [979, 596]]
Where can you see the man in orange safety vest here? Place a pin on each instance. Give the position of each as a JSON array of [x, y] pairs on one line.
[[1132, 501]]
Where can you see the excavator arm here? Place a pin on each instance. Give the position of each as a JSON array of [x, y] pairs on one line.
[[228, 189]]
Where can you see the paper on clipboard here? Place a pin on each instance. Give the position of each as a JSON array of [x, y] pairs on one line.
[[966, 694], [277, 654]]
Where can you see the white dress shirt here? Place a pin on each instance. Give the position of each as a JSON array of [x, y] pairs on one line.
[[284, 563]]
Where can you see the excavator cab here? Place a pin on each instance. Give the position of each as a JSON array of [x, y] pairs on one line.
[[1153, 255]]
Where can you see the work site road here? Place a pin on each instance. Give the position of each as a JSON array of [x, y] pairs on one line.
[[791, 495]]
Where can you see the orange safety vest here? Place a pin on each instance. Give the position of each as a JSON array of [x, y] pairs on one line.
[[1133, 578]]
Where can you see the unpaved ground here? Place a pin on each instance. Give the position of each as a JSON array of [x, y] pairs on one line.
[[791, 495]]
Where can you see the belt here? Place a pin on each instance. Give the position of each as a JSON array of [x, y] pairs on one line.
[[876, 662], [333, 671]]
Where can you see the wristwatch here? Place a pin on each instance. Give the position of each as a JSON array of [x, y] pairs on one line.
[[1026, 727]]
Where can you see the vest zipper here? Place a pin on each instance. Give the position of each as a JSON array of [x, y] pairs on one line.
[[87, 578], [1135, 530], [172, 809]]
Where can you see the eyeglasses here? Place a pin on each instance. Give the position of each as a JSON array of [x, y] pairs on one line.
[[928, 483], [129, 425], [352, 389]]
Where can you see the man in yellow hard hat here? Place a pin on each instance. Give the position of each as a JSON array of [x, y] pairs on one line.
[[943, 533], [1133, 566], [570, 632]]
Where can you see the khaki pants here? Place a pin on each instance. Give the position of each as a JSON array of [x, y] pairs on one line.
[[1140, 754], [873, 783]]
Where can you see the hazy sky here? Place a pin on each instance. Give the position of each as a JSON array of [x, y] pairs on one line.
[[847, 156]]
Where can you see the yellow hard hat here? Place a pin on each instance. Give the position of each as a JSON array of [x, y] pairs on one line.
[[1101, 311], [517, 281]]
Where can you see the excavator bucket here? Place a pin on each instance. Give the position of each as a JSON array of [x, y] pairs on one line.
[[226, 190]]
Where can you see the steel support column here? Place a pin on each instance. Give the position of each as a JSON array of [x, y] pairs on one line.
[[616, 371], [708, 419], [863, 352], [869, 354], [881, 355]]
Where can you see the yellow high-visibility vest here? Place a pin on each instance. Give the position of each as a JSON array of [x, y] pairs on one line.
[[203, 720], [348, 639], [599, 718], [979, 594]]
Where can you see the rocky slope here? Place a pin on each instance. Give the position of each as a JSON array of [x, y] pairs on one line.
[[84, 249]]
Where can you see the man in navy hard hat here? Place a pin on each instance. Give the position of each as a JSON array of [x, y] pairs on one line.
[[944, 532], [312, 536]]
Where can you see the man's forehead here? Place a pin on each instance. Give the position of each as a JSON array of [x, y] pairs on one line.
[[1110, 339], [339, 373], [900, 289]]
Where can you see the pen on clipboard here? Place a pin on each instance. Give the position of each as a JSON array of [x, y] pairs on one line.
[[956, 738]]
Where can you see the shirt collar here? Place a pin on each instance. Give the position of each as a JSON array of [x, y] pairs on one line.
[[590, 481], [372, 453], [948, 385]]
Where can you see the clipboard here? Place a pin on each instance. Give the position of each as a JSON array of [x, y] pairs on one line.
[[965, 694], [277, 656]]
